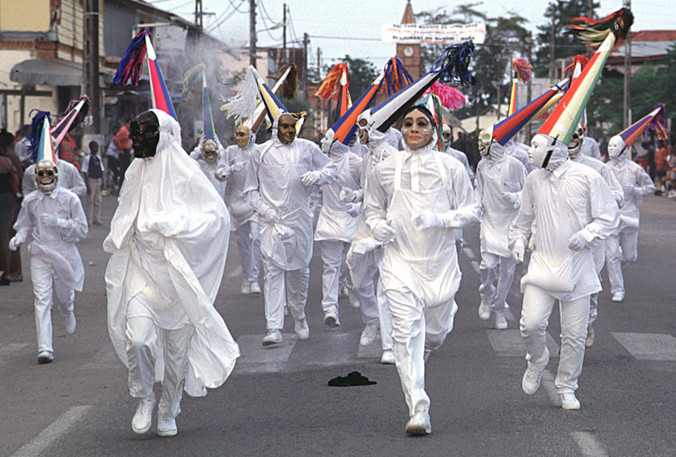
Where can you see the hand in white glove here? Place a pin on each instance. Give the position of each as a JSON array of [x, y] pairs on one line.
[[311, 177], [49, 220], [14, 243], [271, 216], [237, 166], [512, 198], [427, 219], [531, 243], [577, 241], [347, 195], [518, 251], [353, 209], [383, 232]]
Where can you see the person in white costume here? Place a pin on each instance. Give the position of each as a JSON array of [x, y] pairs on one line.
[[54, 217], [572, 207], [69, 178], [500, 179], [599, 246], [168, 239], [207, 154], [590, 148], [365, 254], [413, 203], [337, 222], [461, 156], [232, 167], [622, 244], [520, 152], [279, 181]]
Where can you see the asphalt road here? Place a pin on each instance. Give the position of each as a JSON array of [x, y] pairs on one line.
[[277, 401]]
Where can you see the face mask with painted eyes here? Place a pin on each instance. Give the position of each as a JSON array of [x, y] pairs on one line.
[[286, 128], [417, 130], [210, 151], [46, 176], [362, 131], [242, 135], [144, 132], [576, 142], [485, 140]]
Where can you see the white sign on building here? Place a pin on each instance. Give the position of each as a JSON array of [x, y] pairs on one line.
[[433, 34]]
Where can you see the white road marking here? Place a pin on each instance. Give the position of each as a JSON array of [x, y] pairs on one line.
[[8, 350], [589, 444], [648, 346], [54, 431], [508, 343]]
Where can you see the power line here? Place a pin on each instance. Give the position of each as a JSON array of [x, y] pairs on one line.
[[325, 37]]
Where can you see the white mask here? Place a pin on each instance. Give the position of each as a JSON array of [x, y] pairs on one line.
[[540, 151], [576, 142], [485, 140], [616, 147]]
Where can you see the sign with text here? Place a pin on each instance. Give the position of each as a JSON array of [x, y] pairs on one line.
[[433, 34]]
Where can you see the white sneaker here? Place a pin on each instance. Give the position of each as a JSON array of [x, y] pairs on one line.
[[331, 319], [500, 321], [143, 417], [530, 383], [388, 357], [273, 337], [45, 357], [569, 401], [255, 288], [71, 323], [419, 424], [246, 288], [166, 425], [302, 329], [618, 297], [368, 336], [484, 311]]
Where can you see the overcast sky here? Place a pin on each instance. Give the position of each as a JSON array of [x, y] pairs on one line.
[[340, 27]]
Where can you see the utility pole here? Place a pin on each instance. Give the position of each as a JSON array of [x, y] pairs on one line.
[[552, 49], [198, 15], [90, 63], [627, 74], [306, 42], [285, 51], [252, 33]]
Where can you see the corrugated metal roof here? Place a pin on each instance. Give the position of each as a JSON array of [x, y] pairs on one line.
[[47, 72]]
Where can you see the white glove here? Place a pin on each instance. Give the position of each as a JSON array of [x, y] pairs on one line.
[[347, 195], [383, 232], [577, 241], [512, 198], [15, 242], [311, 177], [271, 216], [353, 209], [236, 167], [428, 219], [531, 243], [50, 220], [518, 251]]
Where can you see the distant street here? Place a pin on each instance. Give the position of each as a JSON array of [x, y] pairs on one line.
[[277, 401]]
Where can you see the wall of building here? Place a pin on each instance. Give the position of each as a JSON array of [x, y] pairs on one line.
[[25, 15]]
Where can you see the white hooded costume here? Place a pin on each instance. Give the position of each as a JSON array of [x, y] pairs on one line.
[[56, 265], [69, 178], [590, 148], [168, 239], [572, 207], [209, 169], [420, 272], [274, 186], [500, 179], [622, 244]]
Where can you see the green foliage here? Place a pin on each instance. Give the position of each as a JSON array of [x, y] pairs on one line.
[[362, 74]]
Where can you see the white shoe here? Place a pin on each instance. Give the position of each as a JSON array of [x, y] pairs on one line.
[[255, 288], [368, 336], [246, 288], [388, 357], [143, 417], [419, 424], [618, 297], [484, 311], [500, 321], [590, 337], [166, 425], [71, 323], [273, 337], [302, 329], [530, 383], [569, 401], [331, 319], [45, 357], [344, 292]]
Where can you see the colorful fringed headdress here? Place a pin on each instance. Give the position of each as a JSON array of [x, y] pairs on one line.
[[523, 72], [336, 87], [432, 103]]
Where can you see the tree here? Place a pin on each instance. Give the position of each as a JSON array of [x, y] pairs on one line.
[[362, 74]]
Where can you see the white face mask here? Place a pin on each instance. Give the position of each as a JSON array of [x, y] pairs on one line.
[[540, 151], [576, 143], [485, 139], [46, 176], [616, 147]]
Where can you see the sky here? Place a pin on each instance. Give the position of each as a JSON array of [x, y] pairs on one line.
[[340, 27]]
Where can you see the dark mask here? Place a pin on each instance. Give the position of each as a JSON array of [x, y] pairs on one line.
[[144, 132]]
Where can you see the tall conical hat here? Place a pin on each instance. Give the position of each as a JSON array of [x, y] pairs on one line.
[[41, 143], [433, 104], [286, 79], [159, 93], [655, 119], [209, 128], [76, 111], [336, 87]]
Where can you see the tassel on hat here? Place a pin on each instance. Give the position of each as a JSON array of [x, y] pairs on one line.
[[395, 76]]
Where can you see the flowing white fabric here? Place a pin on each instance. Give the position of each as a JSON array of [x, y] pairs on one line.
[[169, 212], [234, 164]]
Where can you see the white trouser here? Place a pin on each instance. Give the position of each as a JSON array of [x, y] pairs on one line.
[[458, 240], [535, 312], [489, 267], [599, 251], [45, 281], [332, 256], [141, 334], [372, 298], [416, 330], [620, 248], [284, 288], [249, 249], [94, 199]]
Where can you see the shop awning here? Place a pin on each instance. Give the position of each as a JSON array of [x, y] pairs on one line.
[[47, 72]]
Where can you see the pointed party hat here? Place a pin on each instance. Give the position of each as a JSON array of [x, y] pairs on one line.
[[158, 88], [345, 128], [433, 105], [287, 82], [75, 113], [41, 144], [450, 67], [561, 124], [209, 129], [654, 118], [273, 106], [523, 72]]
